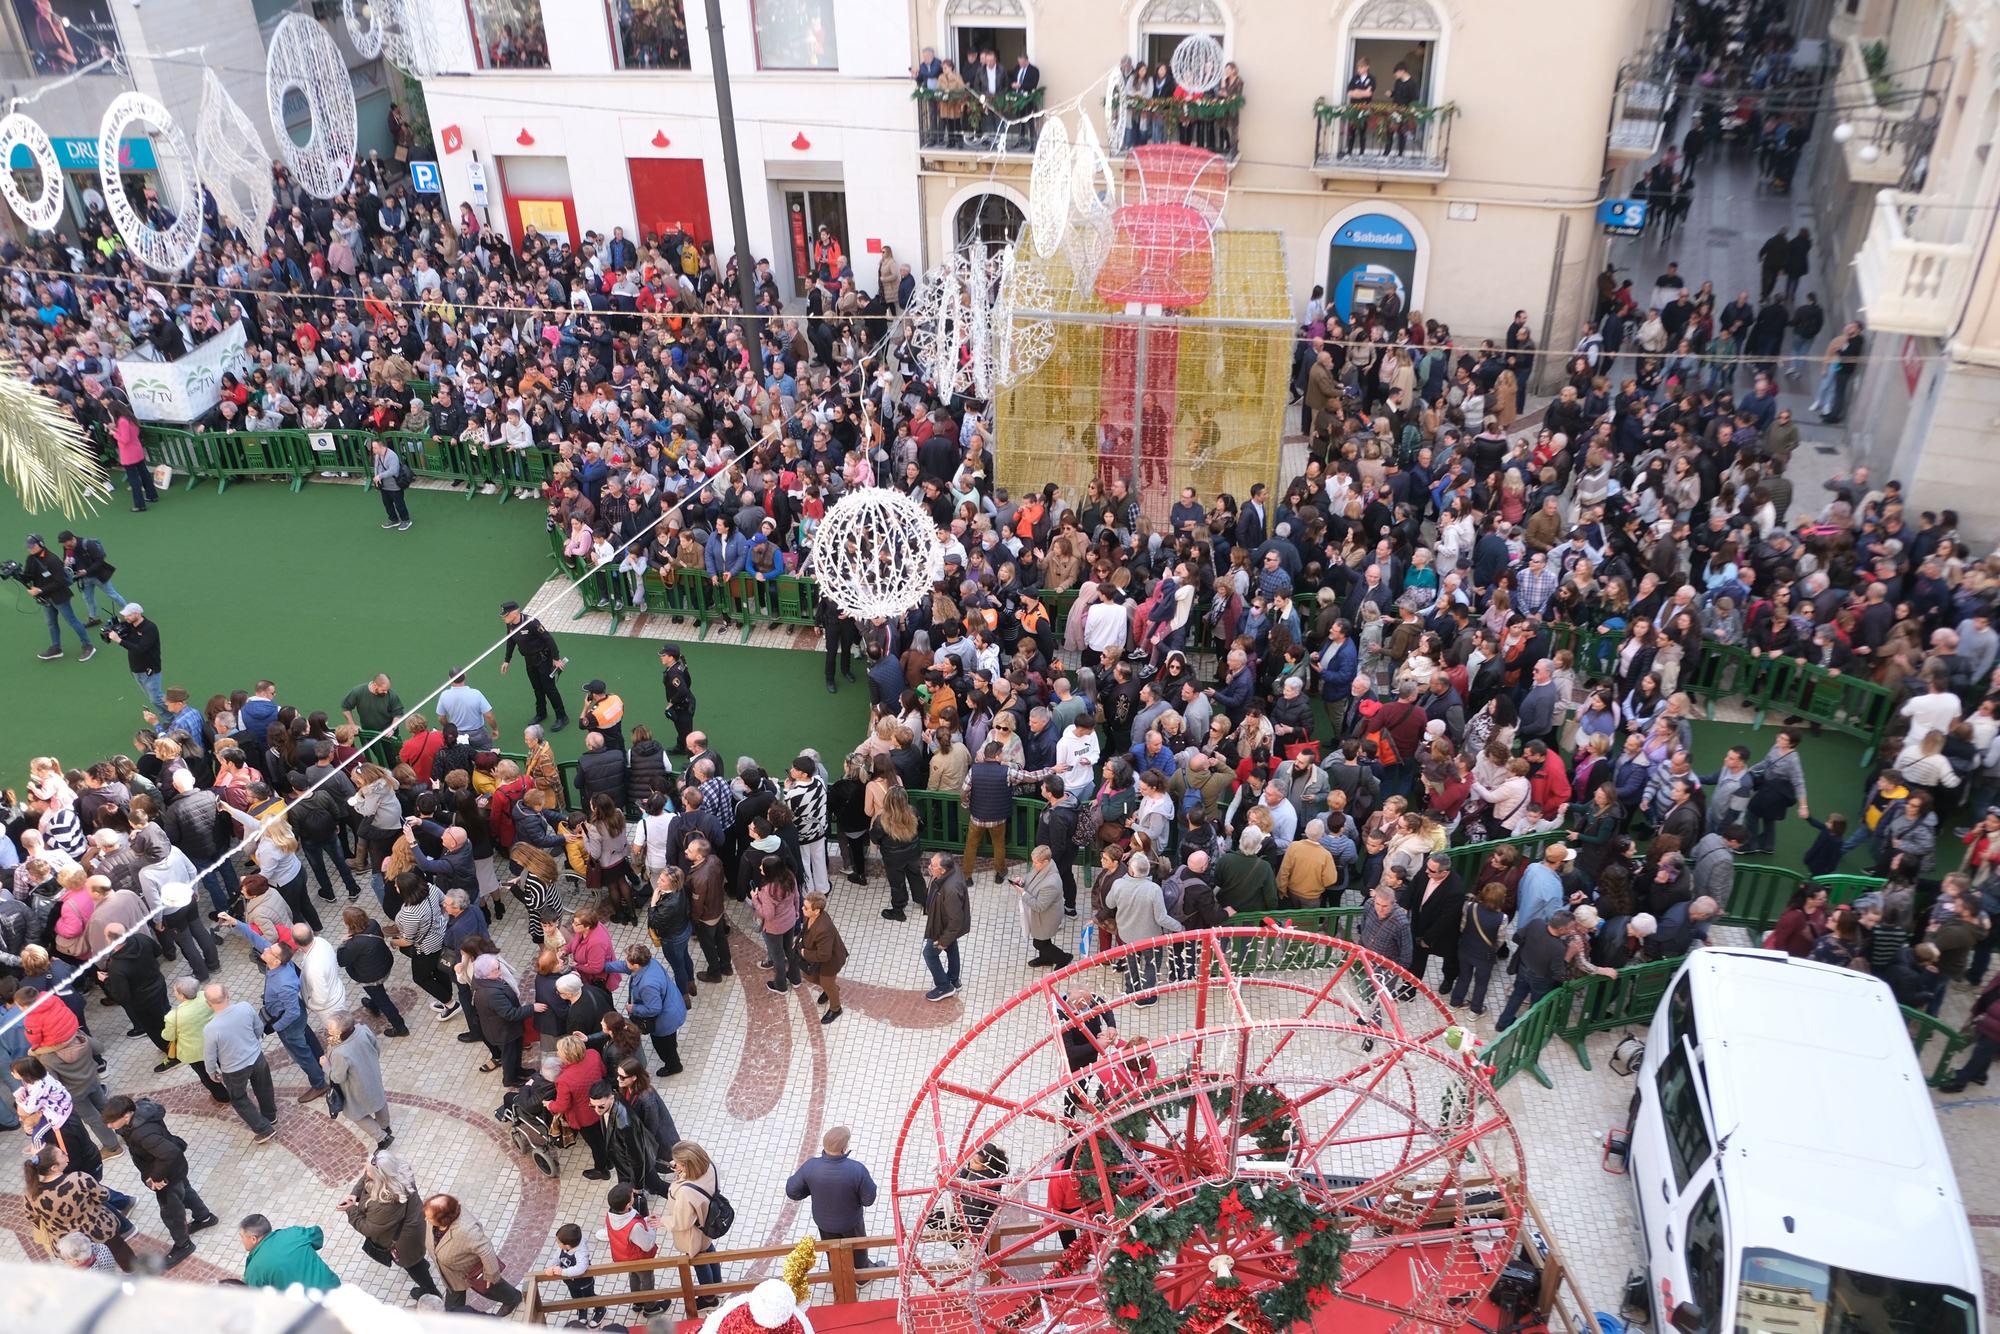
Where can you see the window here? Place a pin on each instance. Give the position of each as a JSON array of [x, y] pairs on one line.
[[508, 34], [992, 220], [794, 34], [1680, 1111], [1680, 1015], [1388, 33], [649, 34], [1704, 1253], [1783, 1294], [999, 26], [1165, 24]]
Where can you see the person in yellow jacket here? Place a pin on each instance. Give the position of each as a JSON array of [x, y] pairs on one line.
[[183, 1030]]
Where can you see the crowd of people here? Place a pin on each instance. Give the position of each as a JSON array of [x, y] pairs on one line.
[[1302, 698]]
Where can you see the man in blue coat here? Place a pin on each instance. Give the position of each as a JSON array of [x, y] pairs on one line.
[[840, 1189]]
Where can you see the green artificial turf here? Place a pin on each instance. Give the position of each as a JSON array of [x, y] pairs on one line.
[[310, 592]]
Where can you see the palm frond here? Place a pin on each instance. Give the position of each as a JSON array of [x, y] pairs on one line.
[[45, 457]]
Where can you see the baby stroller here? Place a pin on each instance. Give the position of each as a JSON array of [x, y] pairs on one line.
[[535, 1131]]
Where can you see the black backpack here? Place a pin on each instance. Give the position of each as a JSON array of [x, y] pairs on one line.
[[721, 1214], [404, 477]]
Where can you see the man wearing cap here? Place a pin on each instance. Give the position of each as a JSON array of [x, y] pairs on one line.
[[839, 1188], [679, 688], [538, 650], [45, 577], [140, 639], [604, 713]]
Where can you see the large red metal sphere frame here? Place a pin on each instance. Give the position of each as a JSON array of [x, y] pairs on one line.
[[1382, 1126]]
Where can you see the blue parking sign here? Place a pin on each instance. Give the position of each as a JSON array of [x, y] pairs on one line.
[[424, 178]]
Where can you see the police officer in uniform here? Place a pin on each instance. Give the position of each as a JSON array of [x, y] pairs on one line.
[[538, 650], [674, 679], [841, 636], [604, 713]]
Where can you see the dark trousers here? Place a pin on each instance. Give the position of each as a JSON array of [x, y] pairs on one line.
[[141, 483], [465, 1011], [208, 1081], [379, 1001], [668, 1048], [293, 892], [253, 1080], [223, 885], [179, 1201], [906, 880], [420, 1272], [1475, 970], [714, 942], [600, 1152], [393, 506], [1420, 959], [683, 720], [429, 974], [840, 644], [317, 855], [547, 700], [500, 1292], [1067, 872], [1528, 988], [509, 1056], [861, 1260], [148, 1019], [854, 855], [1975, 1067]]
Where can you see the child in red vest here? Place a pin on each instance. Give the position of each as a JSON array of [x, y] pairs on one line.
[[629, 1233]]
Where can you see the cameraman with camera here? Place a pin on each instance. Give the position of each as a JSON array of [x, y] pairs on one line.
[[140, 639], [49, 582]]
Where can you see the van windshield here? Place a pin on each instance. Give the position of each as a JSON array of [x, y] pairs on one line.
[[1782, 1294]]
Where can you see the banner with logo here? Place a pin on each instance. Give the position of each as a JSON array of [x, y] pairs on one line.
[[184, 390]]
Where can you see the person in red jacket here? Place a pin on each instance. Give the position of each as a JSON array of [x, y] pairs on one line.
[[570, 1099], [1547, 779]]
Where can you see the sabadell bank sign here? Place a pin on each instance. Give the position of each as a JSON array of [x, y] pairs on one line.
[[1373, 235]]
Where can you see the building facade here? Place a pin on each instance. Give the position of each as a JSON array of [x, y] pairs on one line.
[[1912, 196], [68, 59], [580, 115], [1483, 204]]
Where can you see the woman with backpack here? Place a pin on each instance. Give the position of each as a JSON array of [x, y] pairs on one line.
[[697, 1211]]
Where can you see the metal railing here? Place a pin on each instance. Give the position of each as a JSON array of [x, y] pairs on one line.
[[1385, 140]]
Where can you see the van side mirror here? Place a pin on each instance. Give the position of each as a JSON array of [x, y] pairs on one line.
[[1688, 1319]]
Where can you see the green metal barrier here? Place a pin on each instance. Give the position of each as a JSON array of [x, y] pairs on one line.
[[1924, 1031], [1468, 858], [1520, 1047], [1597, 1004], [1759, 894]]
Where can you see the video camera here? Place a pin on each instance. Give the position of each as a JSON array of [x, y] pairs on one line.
[[13, 569]]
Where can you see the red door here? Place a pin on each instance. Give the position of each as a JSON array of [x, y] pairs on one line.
[[669, 190]]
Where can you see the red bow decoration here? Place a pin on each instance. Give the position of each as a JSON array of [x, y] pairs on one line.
[[1302, 1238], [1231, 1210], [1321, 1225], [1320, 1296], [1128, 1312], [1136, 1249]]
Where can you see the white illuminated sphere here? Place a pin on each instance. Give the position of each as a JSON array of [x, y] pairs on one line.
[[1843, 132], [1868, 153], [876, 553]]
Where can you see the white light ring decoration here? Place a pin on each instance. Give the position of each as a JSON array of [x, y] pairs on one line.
[[232, 162], [1049, 186], [937, 329], [1087, 244], [1093, 187], [1117, 111], [1022, 343], [1197, 64], [981, 273], [876, 553], [305, 58], [166, 251], [44, 210], [367, 42]]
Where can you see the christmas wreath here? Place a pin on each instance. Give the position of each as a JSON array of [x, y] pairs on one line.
[[1267, 1120], [1306, 1251]]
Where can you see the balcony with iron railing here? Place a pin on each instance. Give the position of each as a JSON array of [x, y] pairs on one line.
[[1913, 269], [961, 124], [1883, 130], [1382, 140], [1639, 117]]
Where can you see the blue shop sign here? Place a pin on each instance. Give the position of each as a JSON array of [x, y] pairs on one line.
[[1374, 231], [78, 154]]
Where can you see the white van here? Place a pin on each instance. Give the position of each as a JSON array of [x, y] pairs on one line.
[[1787, 1161]]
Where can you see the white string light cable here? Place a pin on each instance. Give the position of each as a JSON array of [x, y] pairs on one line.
[[184, 893]]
